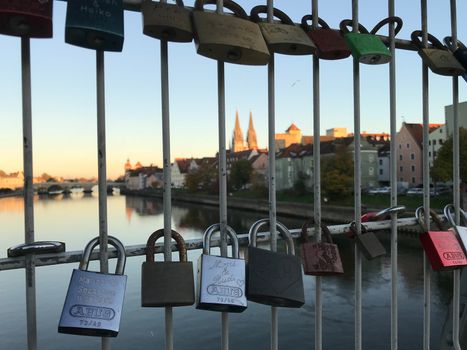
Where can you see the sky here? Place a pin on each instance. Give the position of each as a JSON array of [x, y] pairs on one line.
[[64, 102]]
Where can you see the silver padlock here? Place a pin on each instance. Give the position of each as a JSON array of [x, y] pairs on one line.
[[94, 301], [221, 280], [459, 230]]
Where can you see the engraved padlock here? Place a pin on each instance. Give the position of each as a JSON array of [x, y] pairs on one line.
[[442, 248], [284, 37], [96, 25], [94, 301], [167, 283], [221, 280], [329, 42], [166, 21], [26, 18], [228, 38], [438, 58], [274, 278]]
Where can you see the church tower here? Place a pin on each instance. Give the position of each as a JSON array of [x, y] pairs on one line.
[[251, 135], [127, 165], [237, 138]]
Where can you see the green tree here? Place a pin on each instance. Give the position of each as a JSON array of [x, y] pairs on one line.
[[203, 178], [442, 166], [240, 173], [337, 174]]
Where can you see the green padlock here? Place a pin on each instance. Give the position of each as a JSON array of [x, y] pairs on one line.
[[366, 48]]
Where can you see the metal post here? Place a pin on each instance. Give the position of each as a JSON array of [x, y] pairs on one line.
[[357, 187], [426, 185], [222, 176], [28, 191], [102, 171], [167, 198], [456, 181], [272, 174], [317, 183], [394, 235]]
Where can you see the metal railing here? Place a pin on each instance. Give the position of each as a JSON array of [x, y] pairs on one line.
[[29, 263]]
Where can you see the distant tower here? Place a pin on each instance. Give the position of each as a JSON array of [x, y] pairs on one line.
[[127, 165], [138, 166], [251, 135], [237, 138]]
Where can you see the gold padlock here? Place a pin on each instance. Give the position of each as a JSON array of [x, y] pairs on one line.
[[284, 37], [167, 21], [227, 38]]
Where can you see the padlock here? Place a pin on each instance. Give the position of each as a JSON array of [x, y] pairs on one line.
[[95, 24], [320, 258], [284, 37], [274, 278], [221, 280], [329, 42], [460, 53], [227, 38], [168, 283], [384, 214], [26, 18], [367, 242], [438, 58], [166, 21], [442, 247], [459, 230], [38, 247], [94, 301], [366, 48]]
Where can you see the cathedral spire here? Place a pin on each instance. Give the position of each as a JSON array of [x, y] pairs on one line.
[[237, 138], [251, 135]]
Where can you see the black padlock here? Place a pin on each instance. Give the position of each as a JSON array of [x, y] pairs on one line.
[[167, 283], [460, 53], [274, 278], [367, 242]]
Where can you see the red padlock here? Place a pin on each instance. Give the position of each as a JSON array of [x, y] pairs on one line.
[[26, 18], [442, 247]]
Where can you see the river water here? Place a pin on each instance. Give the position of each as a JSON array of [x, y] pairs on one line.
[[74, 220]]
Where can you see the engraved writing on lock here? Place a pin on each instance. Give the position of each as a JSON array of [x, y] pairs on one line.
[[94, 312]]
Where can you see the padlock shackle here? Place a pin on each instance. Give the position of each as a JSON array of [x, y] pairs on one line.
[[308, 28], [151, 245], [417, 34], [207, 236], [93, 243], [448, 213], [393, 19], [282, 16], [324, 228], [353, 229], [284, 232], [450, 45], [388, 211], [228, 4], [349, 23], [420, 215]]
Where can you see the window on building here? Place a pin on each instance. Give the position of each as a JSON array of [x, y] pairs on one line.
[[401, 179], [429, 154], [400, 146], [401, 169], [412, 156], [380, 162], [381, 171], [429, 143], [400, 157], [408, 145], [413, 180], [434, 142], [413, 168], [371, 171], [441, 141]]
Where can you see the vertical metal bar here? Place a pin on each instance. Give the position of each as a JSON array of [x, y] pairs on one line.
[[272, 173], [394, 235], [102, 171], [426, 184], [28, 191], [167, 188], [222, 176], [317, 182], [456, 182], [357, 188]]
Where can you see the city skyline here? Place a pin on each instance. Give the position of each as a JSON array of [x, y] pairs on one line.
[[63, 92]]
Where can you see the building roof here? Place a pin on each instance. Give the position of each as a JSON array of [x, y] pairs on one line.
[[145, 170], [183, 164], [292, 127], [416, 130]]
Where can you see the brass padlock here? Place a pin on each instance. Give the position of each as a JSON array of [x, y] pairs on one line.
[[329, 42], [227, 38], [438, 58], [167, 283], [26, 18], [274, 278], [166, 21], [284, 37]]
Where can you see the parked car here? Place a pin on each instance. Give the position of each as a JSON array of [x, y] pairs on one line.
[[415, 191], [380, 190]]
